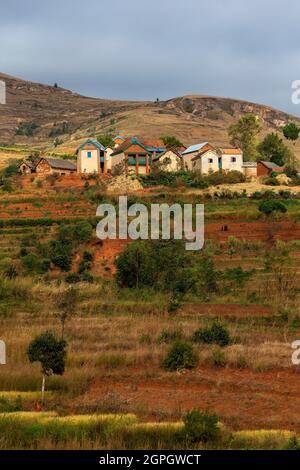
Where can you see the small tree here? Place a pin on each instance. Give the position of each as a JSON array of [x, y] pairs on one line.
[[291, 131], [273, 149], [171, 142], [51, 353], [106, 140], [66, 304]]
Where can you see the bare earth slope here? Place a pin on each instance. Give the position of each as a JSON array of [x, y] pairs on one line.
[[191, 118]]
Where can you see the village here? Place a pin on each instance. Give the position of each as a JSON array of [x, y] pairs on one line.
[[133, 156]]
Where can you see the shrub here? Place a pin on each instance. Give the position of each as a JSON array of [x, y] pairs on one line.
[[201, 426], [10, 272], [217, 334], [73, 278], [167, 336], [180, 356], [218, 358], [268, 207], [271, 181]]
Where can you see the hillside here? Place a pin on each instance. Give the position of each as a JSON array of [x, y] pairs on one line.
[[191, 118]]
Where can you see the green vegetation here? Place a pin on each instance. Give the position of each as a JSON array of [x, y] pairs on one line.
[[28, 129], [243, 134], [268, 207], [216, 333], [50, 352], [273, 149], [181, 355], [201, 426], [171, 142]]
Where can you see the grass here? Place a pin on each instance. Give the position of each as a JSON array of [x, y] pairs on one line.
[[46, 430]]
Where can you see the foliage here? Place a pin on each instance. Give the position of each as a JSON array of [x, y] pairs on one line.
[[217, 333], [291, 131], [159, 264], [50, 352], [243, 134], [168, 336], [201, 426], [171, 142], [35, 264], [270, 206], [65, 304], [64, 128], [27, 128], [181, 355], [106, 140], [273, 149]]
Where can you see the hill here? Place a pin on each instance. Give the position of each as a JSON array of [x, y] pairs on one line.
[[57, 112]]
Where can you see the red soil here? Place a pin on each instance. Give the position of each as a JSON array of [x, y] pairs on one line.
[[242, 398]]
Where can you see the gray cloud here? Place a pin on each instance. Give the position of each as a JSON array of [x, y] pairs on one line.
[[160, 48]]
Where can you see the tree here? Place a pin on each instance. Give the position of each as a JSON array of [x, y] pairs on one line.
[[291, 131], [201, 426], [66, 304], [243, 134], [171, 142], [106, 140], [268, 207], [272, 149], [51, 353]]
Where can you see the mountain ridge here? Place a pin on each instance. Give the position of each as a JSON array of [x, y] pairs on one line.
[[192, 118]]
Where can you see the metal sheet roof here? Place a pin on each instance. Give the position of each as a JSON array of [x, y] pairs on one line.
[[194, 148]]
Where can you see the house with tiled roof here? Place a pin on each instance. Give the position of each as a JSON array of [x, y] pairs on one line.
[[231, 159], [92, 158], [135, 156], [118, 140]]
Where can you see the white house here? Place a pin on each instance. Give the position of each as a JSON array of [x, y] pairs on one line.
[[201, 157], [231, 159], [91, 158]]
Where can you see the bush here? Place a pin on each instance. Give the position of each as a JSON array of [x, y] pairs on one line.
[[168, 336], [217, 334], [201, 426], [271, 181], [218, 358], [180, 356], [270, 206]]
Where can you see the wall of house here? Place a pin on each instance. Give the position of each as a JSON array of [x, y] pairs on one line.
[[203, 164], [108, 158], [262, 170], [43, 168], [89, 164], [25, 169], [229, 165], [187, 161], [170, 162], [250, 171]]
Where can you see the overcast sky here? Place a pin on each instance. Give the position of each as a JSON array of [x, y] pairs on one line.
[[144, 49]]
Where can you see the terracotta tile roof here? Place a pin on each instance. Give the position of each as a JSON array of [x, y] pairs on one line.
[[231, 151], [130, 142]]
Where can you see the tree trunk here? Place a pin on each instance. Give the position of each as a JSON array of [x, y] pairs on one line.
[[43, 388]]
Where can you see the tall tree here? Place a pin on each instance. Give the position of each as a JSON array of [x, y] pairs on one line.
[[51, 353], [243, 134], [273, 149]]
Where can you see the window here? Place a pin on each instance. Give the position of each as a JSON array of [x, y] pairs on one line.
[[89, 154], [233, 159], [210, 160]]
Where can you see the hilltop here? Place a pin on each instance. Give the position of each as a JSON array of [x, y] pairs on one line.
[[191, 118]]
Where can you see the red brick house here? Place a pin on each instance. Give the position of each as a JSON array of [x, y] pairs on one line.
[[267, 168]]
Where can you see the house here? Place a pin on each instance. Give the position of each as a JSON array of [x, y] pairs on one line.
[[91, 157], [134, 155], [27, 167], [231, 159], [267, 168], [118, 140], [46, 166], [156, 147], [250, 169], [169, 160], [193, 154]]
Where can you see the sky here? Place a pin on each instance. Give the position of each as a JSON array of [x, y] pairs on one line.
[[148, 49]]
